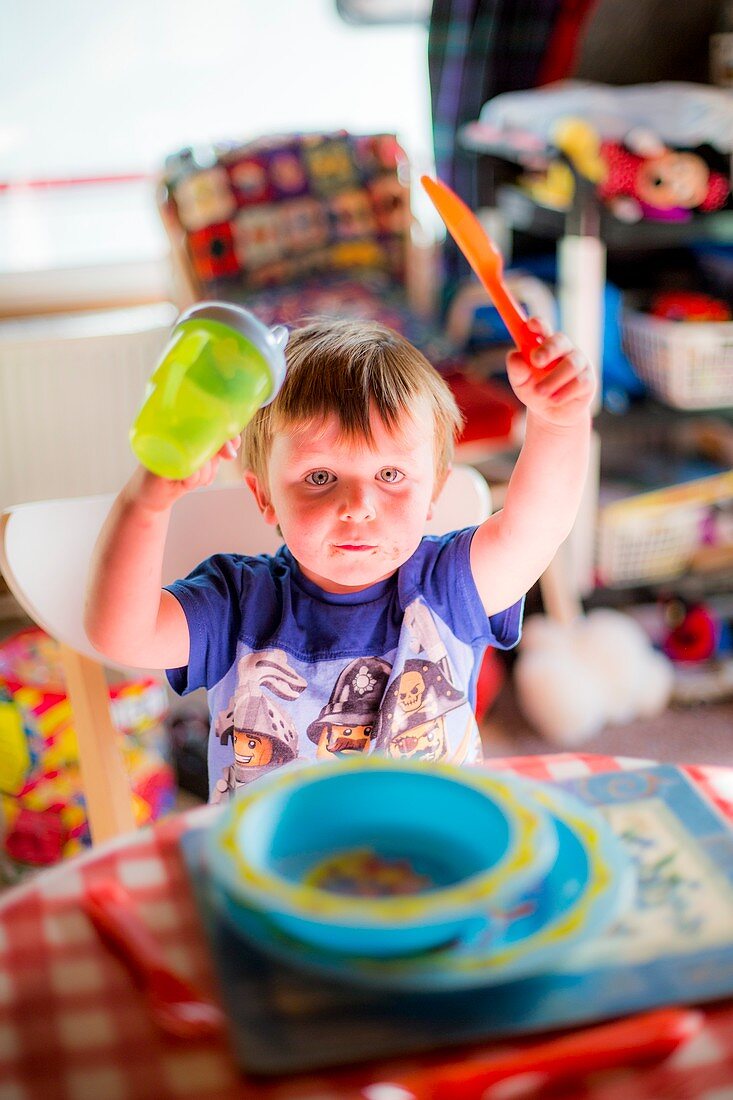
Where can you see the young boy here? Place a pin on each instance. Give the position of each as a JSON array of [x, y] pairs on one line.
[[360, 634]]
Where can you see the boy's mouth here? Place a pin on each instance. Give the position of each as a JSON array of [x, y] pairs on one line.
[[354, 546]]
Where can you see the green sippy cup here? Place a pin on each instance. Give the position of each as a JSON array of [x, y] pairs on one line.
[[219, 367]]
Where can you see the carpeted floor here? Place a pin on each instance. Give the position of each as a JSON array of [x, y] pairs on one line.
[[701, 734]]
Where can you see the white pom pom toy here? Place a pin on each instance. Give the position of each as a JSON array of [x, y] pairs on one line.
[[574, 678]]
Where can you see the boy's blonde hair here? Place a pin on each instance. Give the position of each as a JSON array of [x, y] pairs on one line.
[[346, 368]]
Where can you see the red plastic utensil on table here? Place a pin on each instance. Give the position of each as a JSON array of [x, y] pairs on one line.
[[175, 1005], [485, 259], [648, 1036]]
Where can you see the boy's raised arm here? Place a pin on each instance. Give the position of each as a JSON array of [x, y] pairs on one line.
[[512, 549], [128, 616]]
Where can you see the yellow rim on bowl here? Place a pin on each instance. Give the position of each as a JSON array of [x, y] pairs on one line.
[[262, 885]]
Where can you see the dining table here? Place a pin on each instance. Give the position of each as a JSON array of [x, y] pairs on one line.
[[73, 1025]]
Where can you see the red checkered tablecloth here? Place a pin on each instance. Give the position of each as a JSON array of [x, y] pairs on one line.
[[74, 1027]]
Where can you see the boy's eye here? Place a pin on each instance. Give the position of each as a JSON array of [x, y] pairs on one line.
[[319, 477], [390, 474]]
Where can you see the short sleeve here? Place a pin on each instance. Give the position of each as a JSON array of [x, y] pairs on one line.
[[211, 597], [441, 572]]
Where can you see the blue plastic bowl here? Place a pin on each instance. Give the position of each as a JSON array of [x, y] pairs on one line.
[[379, 858]]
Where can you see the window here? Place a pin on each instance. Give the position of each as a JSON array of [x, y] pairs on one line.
[[96, 91]]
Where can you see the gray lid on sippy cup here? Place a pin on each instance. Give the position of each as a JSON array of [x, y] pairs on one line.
[[269, 341]]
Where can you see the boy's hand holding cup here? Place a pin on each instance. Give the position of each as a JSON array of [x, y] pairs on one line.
[[219, 367]]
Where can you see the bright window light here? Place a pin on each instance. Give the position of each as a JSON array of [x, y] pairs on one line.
[[107, 90]]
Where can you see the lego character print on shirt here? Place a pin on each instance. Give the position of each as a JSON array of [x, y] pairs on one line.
[[413, 718], [261, 732], [405, 704], [422, 701], [346, 724]]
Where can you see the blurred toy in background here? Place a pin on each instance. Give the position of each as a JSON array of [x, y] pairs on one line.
[[40, 787], [575, 678], [580, 153], [697, 637], [663, 154], [688, 305], [636, 177], [639, 178], [694, 631], [646, 179]]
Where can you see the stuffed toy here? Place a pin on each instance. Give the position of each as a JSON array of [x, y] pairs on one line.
[[646, 179], [573, 679], [580, 146], [636, 178]]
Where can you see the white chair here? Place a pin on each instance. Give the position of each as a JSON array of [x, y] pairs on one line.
[[56, 374], [45, 550]]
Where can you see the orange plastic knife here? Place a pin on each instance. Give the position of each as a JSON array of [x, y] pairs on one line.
[[485, 259], [645, 1037], [175, 1005]]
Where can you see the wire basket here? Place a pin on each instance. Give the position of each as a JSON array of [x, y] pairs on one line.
[[688, 365], [654, 537]]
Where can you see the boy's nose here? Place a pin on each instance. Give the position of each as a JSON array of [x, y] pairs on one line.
[[357, 505]]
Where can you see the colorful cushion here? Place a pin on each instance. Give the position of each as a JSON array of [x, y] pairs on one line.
[[278, 210], [41, 796]]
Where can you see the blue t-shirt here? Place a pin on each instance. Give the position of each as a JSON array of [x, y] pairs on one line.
[[296, 672]]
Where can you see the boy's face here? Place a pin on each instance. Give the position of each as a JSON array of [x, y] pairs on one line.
[[350, 512]]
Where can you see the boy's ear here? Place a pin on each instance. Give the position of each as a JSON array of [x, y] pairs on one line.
[[261, 496]]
